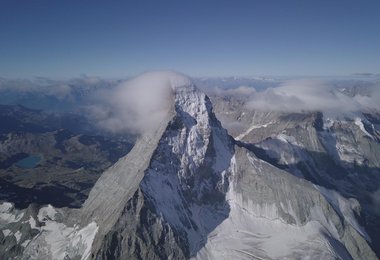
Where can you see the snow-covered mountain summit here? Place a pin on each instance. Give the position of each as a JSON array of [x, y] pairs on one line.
[[189, 190], [177, 170]]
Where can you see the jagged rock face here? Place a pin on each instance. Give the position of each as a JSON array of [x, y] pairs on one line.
[[188, 190], [140, 234], [183, 185], [340, 154], [275, 215], [188, 177], [40, 233]]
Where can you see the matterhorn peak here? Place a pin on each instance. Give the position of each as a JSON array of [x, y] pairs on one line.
[[182, 161]]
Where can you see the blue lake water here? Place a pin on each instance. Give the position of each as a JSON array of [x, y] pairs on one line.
[[29, 162]]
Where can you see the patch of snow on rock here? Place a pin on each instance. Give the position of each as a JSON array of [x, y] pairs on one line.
[[8, 214], [6, 232], [360, 124], [345, 207], [18, 235], [47, 212], [58, 241]]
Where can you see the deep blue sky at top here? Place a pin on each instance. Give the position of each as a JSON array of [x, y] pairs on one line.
[[65, 38]]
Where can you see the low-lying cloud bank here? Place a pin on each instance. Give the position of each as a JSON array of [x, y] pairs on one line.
[[310, 95], [141, 102]]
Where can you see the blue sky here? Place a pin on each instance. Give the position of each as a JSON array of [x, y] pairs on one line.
[[68, 38]]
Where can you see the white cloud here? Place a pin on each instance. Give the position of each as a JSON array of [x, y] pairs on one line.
[[137, 104], [312, 95], [333, 97]]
